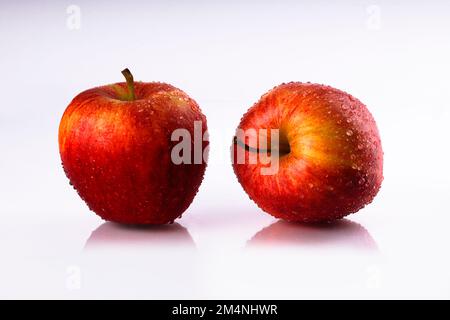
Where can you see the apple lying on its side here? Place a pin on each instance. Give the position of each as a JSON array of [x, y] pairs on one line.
[[115, 144], [330, 160]]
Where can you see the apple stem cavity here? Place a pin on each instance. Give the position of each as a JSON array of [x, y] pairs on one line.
[[130, 84]]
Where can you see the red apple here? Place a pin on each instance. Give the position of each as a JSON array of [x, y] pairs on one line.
[[115, 143], [329, 157]]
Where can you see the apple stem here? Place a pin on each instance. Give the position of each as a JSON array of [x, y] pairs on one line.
[[247, 147], [130, 83], [283, 149]]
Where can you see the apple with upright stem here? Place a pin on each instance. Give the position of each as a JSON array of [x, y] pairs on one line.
[[116, 144]]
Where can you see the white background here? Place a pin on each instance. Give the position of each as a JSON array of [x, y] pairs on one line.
[[392, 56]]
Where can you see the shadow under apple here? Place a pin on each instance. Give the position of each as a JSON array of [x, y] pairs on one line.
[[343, 234], [110, 234]]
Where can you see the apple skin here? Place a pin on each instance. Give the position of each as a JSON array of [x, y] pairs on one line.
[[335, 163], [117, 153]]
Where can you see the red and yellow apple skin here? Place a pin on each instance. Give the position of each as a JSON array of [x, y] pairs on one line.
[[117, 153], [335, 163]]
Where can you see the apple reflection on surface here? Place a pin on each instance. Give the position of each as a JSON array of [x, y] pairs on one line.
[[111, 234], [156, 262], [341, 234]]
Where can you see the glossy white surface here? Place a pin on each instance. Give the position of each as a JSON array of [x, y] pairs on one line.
[[226, 55]]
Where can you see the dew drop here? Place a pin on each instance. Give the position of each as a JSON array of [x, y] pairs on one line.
[[310, 185], [354, 166], [352, 156], [349, 133]]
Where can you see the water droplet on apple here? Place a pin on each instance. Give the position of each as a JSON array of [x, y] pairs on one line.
[[361, 181], [354, 166], [349, 133], [352, 156], [310, 185]]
